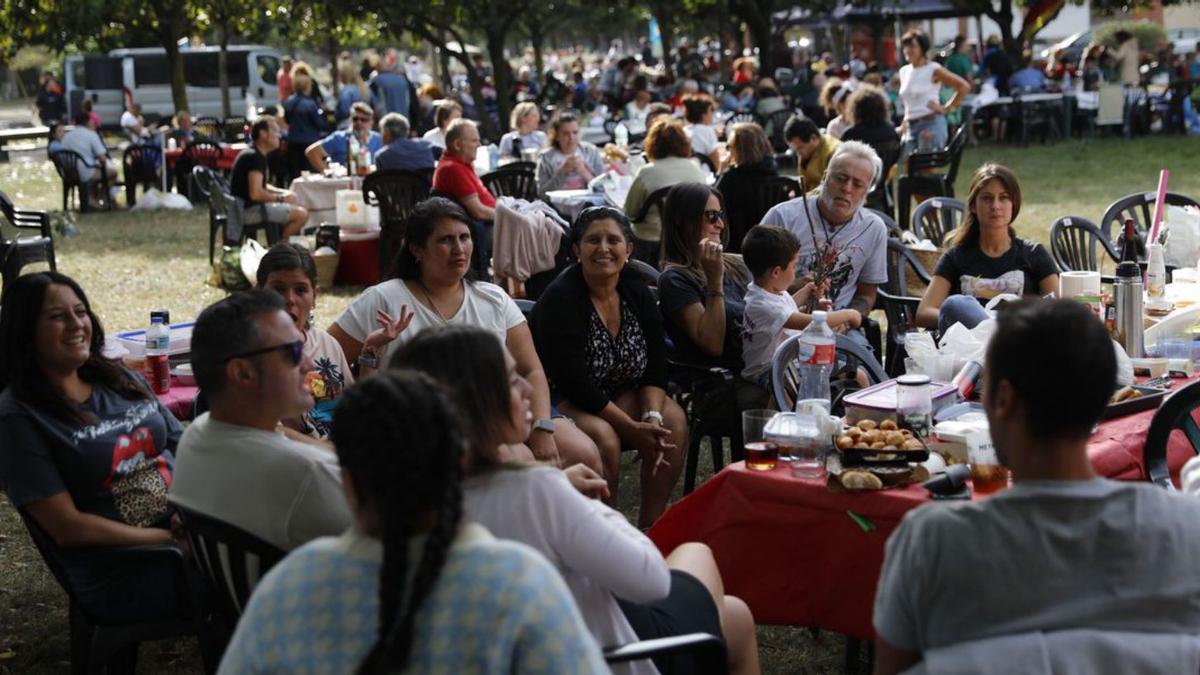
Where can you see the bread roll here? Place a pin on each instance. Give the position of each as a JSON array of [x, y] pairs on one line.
[[861, 480]]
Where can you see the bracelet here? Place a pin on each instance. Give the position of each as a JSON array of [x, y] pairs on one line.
[[714, 294], [653, 415]]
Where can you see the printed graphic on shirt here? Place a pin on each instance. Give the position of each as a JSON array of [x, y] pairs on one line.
[[839, 262], [325, 382], [140, 474], [985, 289]]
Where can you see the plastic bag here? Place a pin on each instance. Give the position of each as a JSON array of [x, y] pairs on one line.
[[229, 270], [1182, 225]]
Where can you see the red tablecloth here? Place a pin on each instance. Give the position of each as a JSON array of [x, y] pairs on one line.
[[180, 400], [229, 153], [788, 547]]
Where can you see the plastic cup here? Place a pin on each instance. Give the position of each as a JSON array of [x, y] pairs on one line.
[[761, 455]]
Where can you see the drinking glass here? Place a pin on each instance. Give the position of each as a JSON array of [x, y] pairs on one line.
[[987, 474], [760, 454]]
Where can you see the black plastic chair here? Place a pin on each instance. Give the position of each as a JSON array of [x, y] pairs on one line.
[[649, 273], [20, 251], [225, 209], [231, 562], [705, 161], [140, 165], [709, 395], [96, 646], [1138, 207], [898, 305], [206, 181], [518, 179], [197, 153], [921, 179], [210, 127], [743, 118], [785, 375], [1075, 244], [395, 193], [880, 198], [1175, 413], [936, 217], [774, 125], [67, 164], [234, 129], [707, 652]]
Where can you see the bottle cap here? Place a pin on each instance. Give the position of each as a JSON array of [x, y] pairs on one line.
[[1129, 269], [818, 316]]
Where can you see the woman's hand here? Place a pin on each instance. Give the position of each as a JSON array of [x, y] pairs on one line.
[[651, 441], [388, 329], [179, 535], [937, 107], [712, 261], [544, 447], [589, 483]]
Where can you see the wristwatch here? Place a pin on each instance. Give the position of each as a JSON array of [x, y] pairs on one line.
[[368, 359], [544, 424]]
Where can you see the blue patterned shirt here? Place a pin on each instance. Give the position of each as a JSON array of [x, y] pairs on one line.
[[497, 607]]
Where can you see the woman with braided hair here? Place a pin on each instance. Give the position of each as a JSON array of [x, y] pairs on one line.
[[622, 584], [409, 587]]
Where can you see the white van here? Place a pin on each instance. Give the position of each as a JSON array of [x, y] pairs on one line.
[[142, 74]]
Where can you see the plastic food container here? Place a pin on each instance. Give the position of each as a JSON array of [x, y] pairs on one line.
[[878, 402]]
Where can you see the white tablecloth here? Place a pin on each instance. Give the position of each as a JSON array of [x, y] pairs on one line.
[[319, 195]]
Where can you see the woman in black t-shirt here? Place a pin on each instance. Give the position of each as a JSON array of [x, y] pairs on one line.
[[86, 451], [986, 258]]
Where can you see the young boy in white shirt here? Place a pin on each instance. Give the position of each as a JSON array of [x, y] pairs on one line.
[[771, 253]]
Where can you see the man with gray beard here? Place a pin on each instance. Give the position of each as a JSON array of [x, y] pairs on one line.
[[835, 229]]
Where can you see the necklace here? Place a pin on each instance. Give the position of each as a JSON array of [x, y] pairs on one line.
[[432, 304]]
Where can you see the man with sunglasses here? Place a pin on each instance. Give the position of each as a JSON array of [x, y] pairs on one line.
[[236, 463], [333, 147]]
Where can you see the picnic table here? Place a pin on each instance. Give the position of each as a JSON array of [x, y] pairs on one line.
[[800, 554]]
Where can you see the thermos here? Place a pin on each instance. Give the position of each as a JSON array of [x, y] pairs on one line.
[[1127, 297]]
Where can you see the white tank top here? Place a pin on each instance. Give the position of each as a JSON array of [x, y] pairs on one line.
[[917, 89]]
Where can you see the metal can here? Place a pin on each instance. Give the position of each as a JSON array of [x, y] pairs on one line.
[[967, 379]]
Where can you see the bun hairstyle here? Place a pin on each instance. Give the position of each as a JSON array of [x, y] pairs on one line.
[[397, 436]]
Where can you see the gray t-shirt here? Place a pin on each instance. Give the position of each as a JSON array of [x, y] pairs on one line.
[[1042, 556], [282, 491], [861, 245]]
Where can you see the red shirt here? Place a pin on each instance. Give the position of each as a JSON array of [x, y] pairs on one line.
[[456, 177], [283, 80]]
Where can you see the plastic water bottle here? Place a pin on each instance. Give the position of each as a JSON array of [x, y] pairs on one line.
[[493, 157], [158, 345], [622, 135], [816, 355]]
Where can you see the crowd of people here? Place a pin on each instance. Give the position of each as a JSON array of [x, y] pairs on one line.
[[437, 455]]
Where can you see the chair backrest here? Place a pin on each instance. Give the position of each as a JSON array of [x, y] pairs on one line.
[[210, 127], [518, 179], [1175, 413], [51, 553], [526, 306], [739, 118], [957, 144], [705, 161], [207, 180], [888, 221], [936, 217], [395, 193], [67, 163], [768, 192], [773, 125], [140, 163], [648, 272], [889, 154], [203, 153], [785, 373], [235, 129], [947, 157], [231, 560], [1074, 242], [654, 201], [899, 258], [1140, 208]]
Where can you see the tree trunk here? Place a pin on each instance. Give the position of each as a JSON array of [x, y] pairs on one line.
[[758, 20], [332, 46], [223, 75], [444, 59], [175, 68], [1003, 16], [666, 27], [501, 78], [537, 37]]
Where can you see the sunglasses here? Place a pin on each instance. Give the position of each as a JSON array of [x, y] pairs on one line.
[[293, 349], [714, 216]]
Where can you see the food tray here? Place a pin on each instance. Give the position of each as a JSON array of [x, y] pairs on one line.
[[1151, 398], [861, 457]]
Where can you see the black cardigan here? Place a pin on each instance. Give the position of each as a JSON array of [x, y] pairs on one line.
[[739, 186], [560, 332]]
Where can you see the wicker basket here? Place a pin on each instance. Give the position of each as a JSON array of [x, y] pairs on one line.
[[326, 269], [928, 260]]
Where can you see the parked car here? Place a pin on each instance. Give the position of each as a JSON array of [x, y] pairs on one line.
[[1073, 47]]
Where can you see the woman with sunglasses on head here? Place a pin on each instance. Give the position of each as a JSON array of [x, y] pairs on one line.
[[87, 452], [623, 586], [750, 161], [431, 288], [410, 586], [702, 289], [598, 328]]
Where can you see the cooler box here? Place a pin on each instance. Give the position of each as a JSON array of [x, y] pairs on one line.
[[358, 258], [134, 341]]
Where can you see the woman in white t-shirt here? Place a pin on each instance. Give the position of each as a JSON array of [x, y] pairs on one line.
[[432, 290], [921, 81], [624, 587], [445, 111], [525, 121], [290, 271]]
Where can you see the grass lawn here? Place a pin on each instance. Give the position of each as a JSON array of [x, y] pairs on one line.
[[130, 263]]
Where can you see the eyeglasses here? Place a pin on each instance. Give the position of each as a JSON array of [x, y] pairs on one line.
[[293, 349], [714, 216]]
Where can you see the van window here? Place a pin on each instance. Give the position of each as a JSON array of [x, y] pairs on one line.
[[268, 68], [79, 74], [200, 69], [102, 72], [151, 69]]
